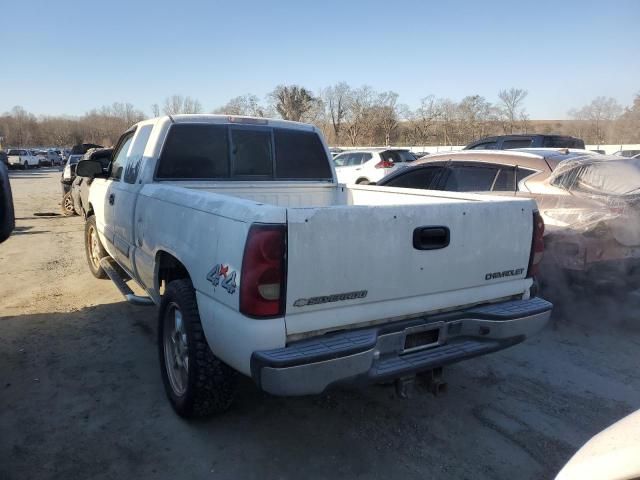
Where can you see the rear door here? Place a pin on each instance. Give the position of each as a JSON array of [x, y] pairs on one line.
[[123, 193], [471, 177]]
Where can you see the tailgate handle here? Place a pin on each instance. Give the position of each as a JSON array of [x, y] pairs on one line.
[[430, 238]]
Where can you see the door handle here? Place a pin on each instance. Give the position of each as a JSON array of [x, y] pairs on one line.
[[112, 198], [431, 238]]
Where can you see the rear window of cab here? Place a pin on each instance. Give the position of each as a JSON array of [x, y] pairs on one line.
[[230, 152]]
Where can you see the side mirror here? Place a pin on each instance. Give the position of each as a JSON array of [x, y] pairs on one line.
[[89, 169], [7, 217]]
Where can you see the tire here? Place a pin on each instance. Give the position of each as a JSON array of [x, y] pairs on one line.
[[197, 383], [25, 165], [67, 207], [362, 181], [93, 248]]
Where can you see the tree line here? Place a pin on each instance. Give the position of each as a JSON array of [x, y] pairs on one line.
[[347, 116]]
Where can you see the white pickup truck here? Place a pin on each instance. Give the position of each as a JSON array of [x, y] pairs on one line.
[[263, 264]]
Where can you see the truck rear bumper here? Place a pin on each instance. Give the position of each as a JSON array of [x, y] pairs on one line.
[[394, 350]]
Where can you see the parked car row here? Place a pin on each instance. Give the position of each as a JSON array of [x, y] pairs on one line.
[[25, 158]]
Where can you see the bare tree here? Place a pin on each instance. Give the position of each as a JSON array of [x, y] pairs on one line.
[[385, 115], [473, 114], [447, 115], [242, 105], [423, 120], [598, 114], [511, 106], [358, 105], [155, 110], [628, 124], [336, 100], [176, 104], [292, 101]]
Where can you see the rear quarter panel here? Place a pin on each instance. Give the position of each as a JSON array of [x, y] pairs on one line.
[[202, 230]]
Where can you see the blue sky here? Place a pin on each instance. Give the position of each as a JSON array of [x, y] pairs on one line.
[[66, 57]]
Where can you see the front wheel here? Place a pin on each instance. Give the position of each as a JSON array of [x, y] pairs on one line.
[[93, 248], [197, 383]]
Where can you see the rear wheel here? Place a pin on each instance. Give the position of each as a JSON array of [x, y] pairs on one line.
[[197, 383], [362, 181], [93, 248], [67, 205]]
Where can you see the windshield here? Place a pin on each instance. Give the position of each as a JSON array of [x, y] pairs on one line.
[[73, 159]]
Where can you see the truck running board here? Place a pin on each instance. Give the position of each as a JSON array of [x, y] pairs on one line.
[[107, 265]]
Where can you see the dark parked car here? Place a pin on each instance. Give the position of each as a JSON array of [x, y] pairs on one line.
[[507, 142], [627, 153], [4, 159], [80, 185], [69, 174], [66, 179], [83, 148]]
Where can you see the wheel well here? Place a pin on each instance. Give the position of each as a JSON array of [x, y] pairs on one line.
[[362, 179], [168, 268], [89, 212]]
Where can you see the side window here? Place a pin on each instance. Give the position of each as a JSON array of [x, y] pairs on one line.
[[300, 155], [390, 156], [340, 159], [365, 158], [194, 151], [251, 152], [406, 156], [356, 159], [516, 143], [120, 157], [522, 173], [471, 179], [506, 180], [484, 146], [134, 159], [350, 159], [428, 178]]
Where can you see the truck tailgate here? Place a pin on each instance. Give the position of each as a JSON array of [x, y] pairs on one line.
[[350, 265]]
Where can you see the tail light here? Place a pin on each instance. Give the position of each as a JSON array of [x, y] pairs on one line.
[[263, 276], [537, 244], [384, 164]]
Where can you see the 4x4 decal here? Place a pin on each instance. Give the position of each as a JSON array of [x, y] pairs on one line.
[[229, 277]]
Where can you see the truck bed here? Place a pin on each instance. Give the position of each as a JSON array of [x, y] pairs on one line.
[[346, 239]]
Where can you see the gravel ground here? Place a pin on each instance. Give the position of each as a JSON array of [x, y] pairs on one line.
[[81, 394]]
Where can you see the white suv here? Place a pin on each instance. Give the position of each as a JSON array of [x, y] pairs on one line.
[[21, 158], [369, 166]]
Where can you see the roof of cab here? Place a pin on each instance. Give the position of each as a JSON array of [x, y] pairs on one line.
[[237, 120]]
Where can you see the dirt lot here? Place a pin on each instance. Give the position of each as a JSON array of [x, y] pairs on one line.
[[81, 395]]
